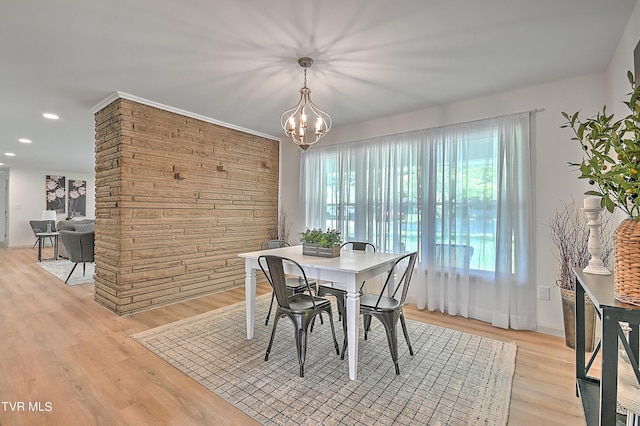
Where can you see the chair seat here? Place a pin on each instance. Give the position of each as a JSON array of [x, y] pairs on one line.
[[368, 301], [301, 301]]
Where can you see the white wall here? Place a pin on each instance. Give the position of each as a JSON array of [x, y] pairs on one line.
[[617, 83], [27, 200]]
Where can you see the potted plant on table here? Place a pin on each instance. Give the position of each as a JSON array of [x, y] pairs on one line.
[[611, 164], [316, 242], [569, 233]]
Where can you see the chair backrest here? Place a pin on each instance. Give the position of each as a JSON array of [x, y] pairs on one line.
[[41, 225], [271, 244], [273, 269], [402, 270], [358, 245], [78, 245], [454, 255]]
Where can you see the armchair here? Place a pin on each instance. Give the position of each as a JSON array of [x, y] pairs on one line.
[[79, 246]]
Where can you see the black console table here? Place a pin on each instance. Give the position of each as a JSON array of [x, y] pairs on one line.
[[599, 395]]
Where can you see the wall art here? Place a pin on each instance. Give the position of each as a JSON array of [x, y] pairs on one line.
[[56, 193], [77, 198]]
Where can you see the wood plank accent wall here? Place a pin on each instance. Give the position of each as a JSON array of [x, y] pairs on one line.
[[176, 200]]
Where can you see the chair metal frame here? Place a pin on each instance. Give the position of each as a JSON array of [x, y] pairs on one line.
[[341, 295], [272, 244], [294, 284], [388, 308], [453, 255], [300, 308], [358, 245]]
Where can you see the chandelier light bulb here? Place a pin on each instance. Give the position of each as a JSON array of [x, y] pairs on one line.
[[299, 114]]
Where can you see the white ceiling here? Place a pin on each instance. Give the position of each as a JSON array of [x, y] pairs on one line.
[[236, 60]]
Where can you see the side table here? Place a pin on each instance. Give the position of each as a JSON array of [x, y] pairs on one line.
[[41, 237], [599, 396]]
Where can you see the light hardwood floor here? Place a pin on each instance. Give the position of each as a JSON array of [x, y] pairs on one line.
[[75, 358]]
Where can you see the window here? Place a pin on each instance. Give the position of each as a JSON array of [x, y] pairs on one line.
[[459, 195], [379, 194]]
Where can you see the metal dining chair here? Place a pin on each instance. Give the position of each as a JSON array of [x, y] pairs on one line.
[[326, 289], [300, 308], [388, 309], [294, 284]]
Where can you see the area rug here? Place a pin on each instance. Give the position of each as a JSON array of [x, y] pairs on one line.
[[61, 268], [454, 378]]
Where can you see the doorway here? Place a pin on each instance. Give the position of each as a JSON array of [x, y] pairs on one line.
[[4, 196]]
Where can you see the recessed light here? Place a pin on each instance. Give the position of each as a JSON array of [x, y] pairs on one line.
[[24, 140], [9, 154], [50, 116], [1, 164]]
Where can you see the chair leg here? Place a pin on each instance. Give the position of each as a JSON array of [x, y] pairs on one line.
[[270, 307], [341, 307], [343, 313], [406, 333], [393, 348], [333, 332], [72, 269], [367, 324], [344, 347], [301, 344], [390, 320], [273, 335]]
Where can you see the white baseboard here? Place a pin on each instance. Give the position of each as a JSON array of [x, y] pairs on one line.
[[553, 331]]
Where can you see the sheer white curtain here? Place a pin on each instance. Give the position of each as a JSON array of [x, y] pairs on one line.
[[460, 195]]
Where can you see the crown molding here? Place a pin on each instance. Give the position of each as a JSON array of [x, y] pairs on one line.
[[121, 95]]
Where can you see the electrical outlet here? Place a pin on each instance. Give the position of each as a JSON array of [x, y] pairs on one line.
[[544, 293]]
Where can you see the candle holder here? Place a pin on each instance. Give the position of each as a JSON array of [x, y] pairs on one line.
[[596, 266]]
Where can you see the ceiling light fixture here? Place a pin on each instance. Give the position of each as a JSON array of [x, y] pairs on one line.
[[24, 140], [9, 154], [50, 116], [295, 121]]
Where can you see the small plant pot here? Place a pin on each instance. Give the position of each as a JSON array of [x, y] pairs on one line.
[[309, 249]]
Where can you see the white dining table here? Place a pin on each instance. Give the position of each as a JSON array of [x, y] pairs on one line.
[[346, 271]]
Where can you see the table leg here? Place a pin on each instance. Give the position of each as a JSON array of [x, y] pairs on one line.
[[250, 297], [580, 333], [353, 319], [608, 381], [40, 247], [55, 247], [634, 340]]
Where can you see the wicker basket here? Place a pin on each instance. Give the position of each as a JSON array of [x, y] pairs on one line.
[[626, 269]]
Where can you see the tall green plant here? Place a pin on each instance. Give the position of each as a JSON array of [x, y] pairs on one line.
[[612, 154]]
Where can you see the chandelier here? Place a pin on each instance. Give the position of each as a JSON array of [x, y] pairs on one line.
[[296, 121]]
